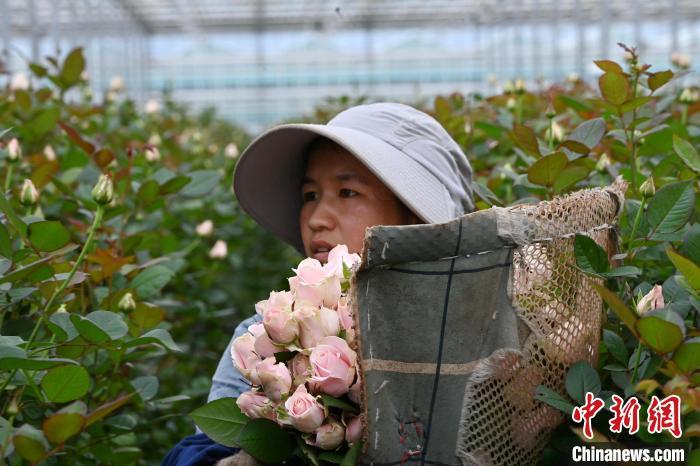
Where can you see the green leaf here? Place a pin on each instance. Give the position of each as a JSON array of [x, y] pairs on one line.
[[175, 184], [73, 66], [60, 325], [48, 235], [74, 136], [553, 399], [687, 356], [656, 80], [110, 322], [545, 171], [352, 457], [158, 336], [30, 443], [635, 103], [614, 87], [608, 65], [266, 441], [590, 257], [44, 122], [222, 420], [332, 402], [65, 383], [307, 453], [685, 266], [149, 282], [570, 176], [623, 312], [12, 357], [148, 191], [60, 427], [5, 242], [526, 139], [616, 346], [146, 386], [670, 208], [574, 104], [88, 329], [580, 379], [589, 133], [624, 271], [687, 152], [106, 409], [663, 336], [575, 146], [203, 181]]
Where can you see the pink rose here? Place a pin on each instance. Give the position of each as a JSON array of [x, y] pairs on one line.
[[316, 323], [274, 378], [244, 357], [263, 345], [278, 300], [305, 412], [337, 257], [256, 405], [300, 367], [353, 431], [652, 300], [333, 366], [329, 436], [310, 272], [347, 321], [280, 325]]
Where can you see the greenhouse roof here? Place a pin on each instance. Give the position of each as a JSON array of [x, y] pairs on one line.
[[178, 16]]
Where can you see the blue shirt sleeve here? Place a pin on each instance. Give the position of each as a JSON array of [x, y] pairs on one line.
[[227, 380], [198, 449]]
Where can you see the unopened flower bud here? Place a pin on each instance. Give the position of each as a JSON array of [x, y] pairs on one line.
[[603, 162], [219, 250], [19, 82], [205, 228], [14, 150], [508, 87], [680, 60], [647, 189], [689, 96], [103, 192], [510, 103], [49, 153], [117, 84], [519, 86], [231, 150], [152, 153], [550, 112], [152, 106], [29, 196], [127, 303], [62, 308]]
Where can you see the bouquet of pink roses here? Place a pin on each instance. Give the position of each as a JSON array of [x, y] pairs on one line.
[[303, 373]]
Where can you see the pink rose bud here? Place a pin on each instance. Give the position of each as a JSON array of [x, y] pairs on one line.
[[329, 436], [244, 357], [309, 295], [274, 378], [304, 411], [280, 325], [316, 323], [263, 345], [310, 272], [353, 431], [277, 299], [256, 405], [337, 257], [331, 290], [300, 367], [333, 366], [347, 321], [652, 300]]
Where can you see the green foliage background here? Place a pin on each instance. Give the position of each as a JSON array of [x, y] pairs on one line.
[[111, 383]]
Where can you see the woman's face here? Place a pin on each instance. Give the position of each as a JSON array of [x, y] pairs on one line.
[[340, 198]]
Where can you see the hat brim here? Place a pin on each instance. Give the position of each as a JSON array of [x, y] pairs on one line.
[[267, 179]]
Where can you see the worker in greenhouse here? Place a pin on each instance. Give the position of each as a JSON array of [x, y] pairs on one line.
[[316, 186]]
